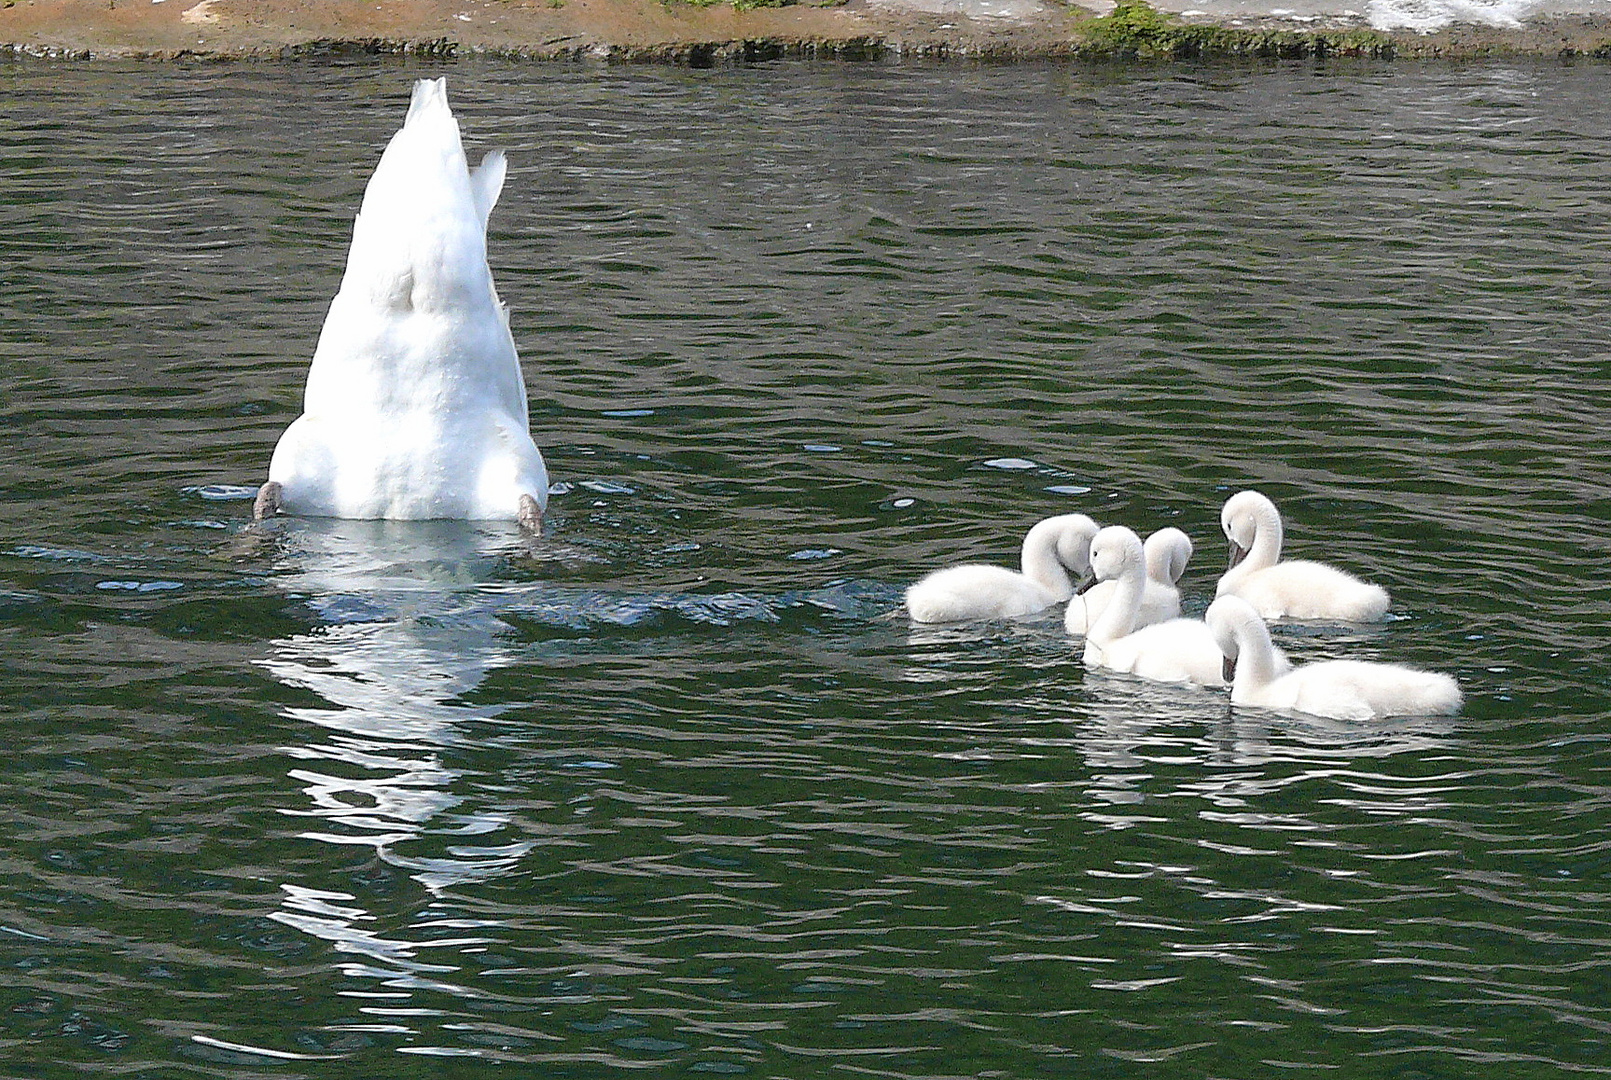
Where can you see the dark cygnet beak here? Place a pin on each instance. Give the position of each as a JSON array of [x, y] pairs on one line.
[[1228, 669], [1085, 586], [1238, 553]]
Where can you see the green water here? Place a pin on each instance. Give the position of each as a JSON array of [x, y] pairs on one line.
[[671, 792]]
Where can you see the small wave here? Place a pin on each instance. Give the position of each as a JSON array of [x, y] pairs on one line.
[[221, 492], [139, 586], [590, 610], [54, 554], [812, 554], [340, 609]]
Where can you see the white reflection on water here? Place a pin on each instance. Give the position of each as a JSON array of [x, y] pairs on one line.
[[403, 645], [1131, 724]]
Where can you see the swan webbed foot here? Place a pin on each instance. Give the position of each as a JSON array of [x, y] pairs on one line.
[[270, 502], [530, 515], [256, 540]]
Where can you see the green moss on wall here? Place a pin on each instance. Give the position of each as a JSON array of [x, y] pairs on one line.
[[1136, 30]]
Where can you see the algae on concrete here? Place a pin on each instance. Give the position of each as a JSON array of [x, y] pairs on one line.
[[1135, 30]]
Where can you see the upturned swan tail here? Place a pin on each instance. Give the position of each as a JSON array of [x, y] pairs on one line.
[[431, 120], [419, 242], [486, 183]]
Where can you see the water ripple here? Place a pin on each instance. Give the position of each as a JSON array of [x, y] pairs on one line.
[[670, 788]]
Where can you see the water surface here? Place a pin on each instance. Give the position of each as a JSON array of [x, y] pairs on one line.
[[670, 791]]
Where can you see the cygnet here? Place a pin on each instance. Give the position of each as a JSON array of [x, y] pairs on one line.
[[1338, 689], [1295, 589], [1176, 650], [1167, 553], [1055, 554]]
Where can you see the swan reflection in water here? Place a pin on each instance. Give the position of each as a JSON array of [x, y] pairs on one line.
[[1141, 739], [1020, 688], [407, 635]]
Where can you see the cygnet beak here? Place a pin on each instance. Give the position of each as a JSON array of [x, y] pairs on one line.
[[1228, 669], [1238, 553], [1086, 585]]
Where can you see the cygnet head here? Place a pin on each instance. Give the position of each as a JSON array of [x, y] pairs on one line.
[[1242, 518], [1229, 617], [1071, 535], [1168, 551], [1115, 552]]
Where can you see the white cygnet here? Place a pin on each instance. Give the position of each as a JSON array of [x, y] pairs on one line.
[[415, 404], [1167, 552], [1295, 589], [1055, 554], [1337, 689], [1176, 650]]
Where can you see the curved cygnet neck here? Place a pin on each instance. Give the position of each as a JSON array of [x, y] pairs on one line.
[[1265, 548], [1118, 619], [1245, 639], [1167, 551], [1054, 547]]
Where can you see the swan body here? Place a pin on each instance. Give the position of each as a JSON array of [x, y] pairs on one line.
[[415, 404], [1167, 552], [1294, 589], [1337, 689], [1175, 650], [1052, 550]]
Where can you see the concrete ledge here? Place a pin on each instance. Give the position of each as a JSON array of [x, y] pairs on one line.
[[674, 31]]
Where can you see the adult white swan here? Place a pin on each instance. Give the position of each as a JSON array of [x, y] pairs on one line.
[[415, 405], [1295, 589], [1176, 650], [1053, 550], [1339, 689], [1167, 552]]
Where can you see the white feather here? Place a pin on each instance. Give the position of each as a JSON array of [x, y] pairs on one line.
[[1167, 553], [1176, 650]]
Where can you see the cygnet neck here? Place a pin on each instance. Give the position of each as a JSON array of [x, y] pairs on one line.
[[1268, 537], [1054, 547], [1118, 619], [1255, 651]]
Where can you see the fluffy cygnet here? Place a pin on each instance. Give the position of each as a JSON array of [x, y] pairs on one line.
[[1167, 552], [1339, 689], [1176, 650], [1055, 554], [1295, 589], [415, 404]]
